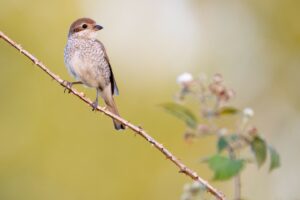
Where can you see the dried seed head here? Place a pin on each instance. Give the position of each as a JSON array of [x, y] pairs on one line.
[[217, 78]]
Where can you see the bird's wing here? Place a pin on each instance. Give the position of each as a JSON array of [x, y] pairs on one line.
[[114, 87]]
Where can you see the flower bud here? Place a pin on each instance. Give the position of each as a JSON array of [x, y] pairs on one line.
[[184, 78], [248, 112]]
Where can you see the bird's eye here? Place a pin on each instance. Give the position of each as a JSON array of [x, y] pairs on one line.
[[84, 26]]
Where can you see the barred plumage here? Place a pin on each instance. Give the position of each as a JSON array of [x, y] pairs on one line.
[[87, 61]]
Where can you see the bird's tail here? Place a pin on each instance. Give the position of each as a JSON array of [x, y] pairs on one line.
[[111, 106]]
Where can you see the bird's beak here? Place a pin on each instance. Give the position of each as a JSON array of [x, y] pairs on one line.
[[97, 27]]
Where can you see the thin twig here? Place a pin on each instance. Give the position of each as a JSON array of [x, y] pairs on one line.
[[236, 178], [182, 168], [237, 187]]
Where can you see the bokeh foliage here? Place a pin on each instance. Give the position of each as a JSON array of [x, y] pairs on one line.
[[212, 97]]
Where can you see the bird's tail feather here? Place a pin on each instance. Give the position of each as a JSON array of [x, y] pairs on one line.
[[111, 106], [118, 125]]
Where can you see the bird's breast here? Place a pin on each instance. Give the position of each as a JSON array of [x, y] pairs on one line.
[[87, 64]]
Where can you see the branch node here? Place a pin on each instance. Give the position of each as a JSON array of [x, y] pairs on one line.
[[36, 62], [183, 170], [140, 129]]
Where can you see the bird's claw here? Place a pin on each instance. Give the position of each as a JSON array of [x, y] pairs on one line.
[[94, 105], [68, 86]]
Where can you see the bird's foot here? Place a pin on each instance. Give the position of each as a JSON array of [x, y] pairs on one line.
[[94, 105], [68, 86]]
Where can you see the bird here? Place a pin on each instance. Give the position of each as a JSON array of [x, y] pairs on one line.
[[87, 61]]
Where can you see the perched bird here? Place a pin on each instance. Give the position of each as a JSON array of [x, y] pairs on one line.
[[87, 61]]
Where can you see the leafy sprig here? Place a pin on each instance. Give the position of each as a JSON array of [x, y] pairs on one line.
[[212, 98]]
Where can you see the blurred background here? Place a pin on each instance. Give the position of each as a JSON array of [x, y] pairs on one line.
[[52, 146]]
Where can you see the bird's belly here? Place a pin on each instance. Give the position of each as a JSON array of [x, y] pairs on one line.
[[85, 72]]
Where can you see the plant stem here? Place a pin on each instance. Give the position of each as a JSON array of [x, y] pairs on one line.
[[237, 187], [237, 179]]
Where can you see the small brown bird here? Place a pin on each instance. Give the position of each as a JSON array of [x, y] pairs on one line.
[[87, 61]]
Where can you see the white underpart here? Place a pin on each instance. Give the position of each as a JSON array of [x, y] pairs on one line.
[[87, 33]]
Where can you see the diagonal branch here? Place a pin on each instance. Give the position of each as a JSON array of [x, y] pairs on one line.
[[138, 130]]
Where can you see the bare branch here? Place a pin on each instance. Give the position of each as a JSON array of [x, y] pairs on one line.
[[182, 168]]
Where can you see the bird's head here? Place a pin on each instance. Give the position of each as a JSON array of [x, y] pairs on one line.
[[84, 27]]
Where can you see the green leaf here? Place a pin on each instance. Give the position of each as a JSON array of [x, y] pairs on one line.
[[275, 159], [228, 111], [224, 141], [233, 137], [222, 144], [259, 148], [182, 113], [224, 168]]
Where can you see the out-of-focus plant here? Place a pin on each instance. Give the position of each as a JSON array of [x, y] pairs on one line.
[[212, 116]]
